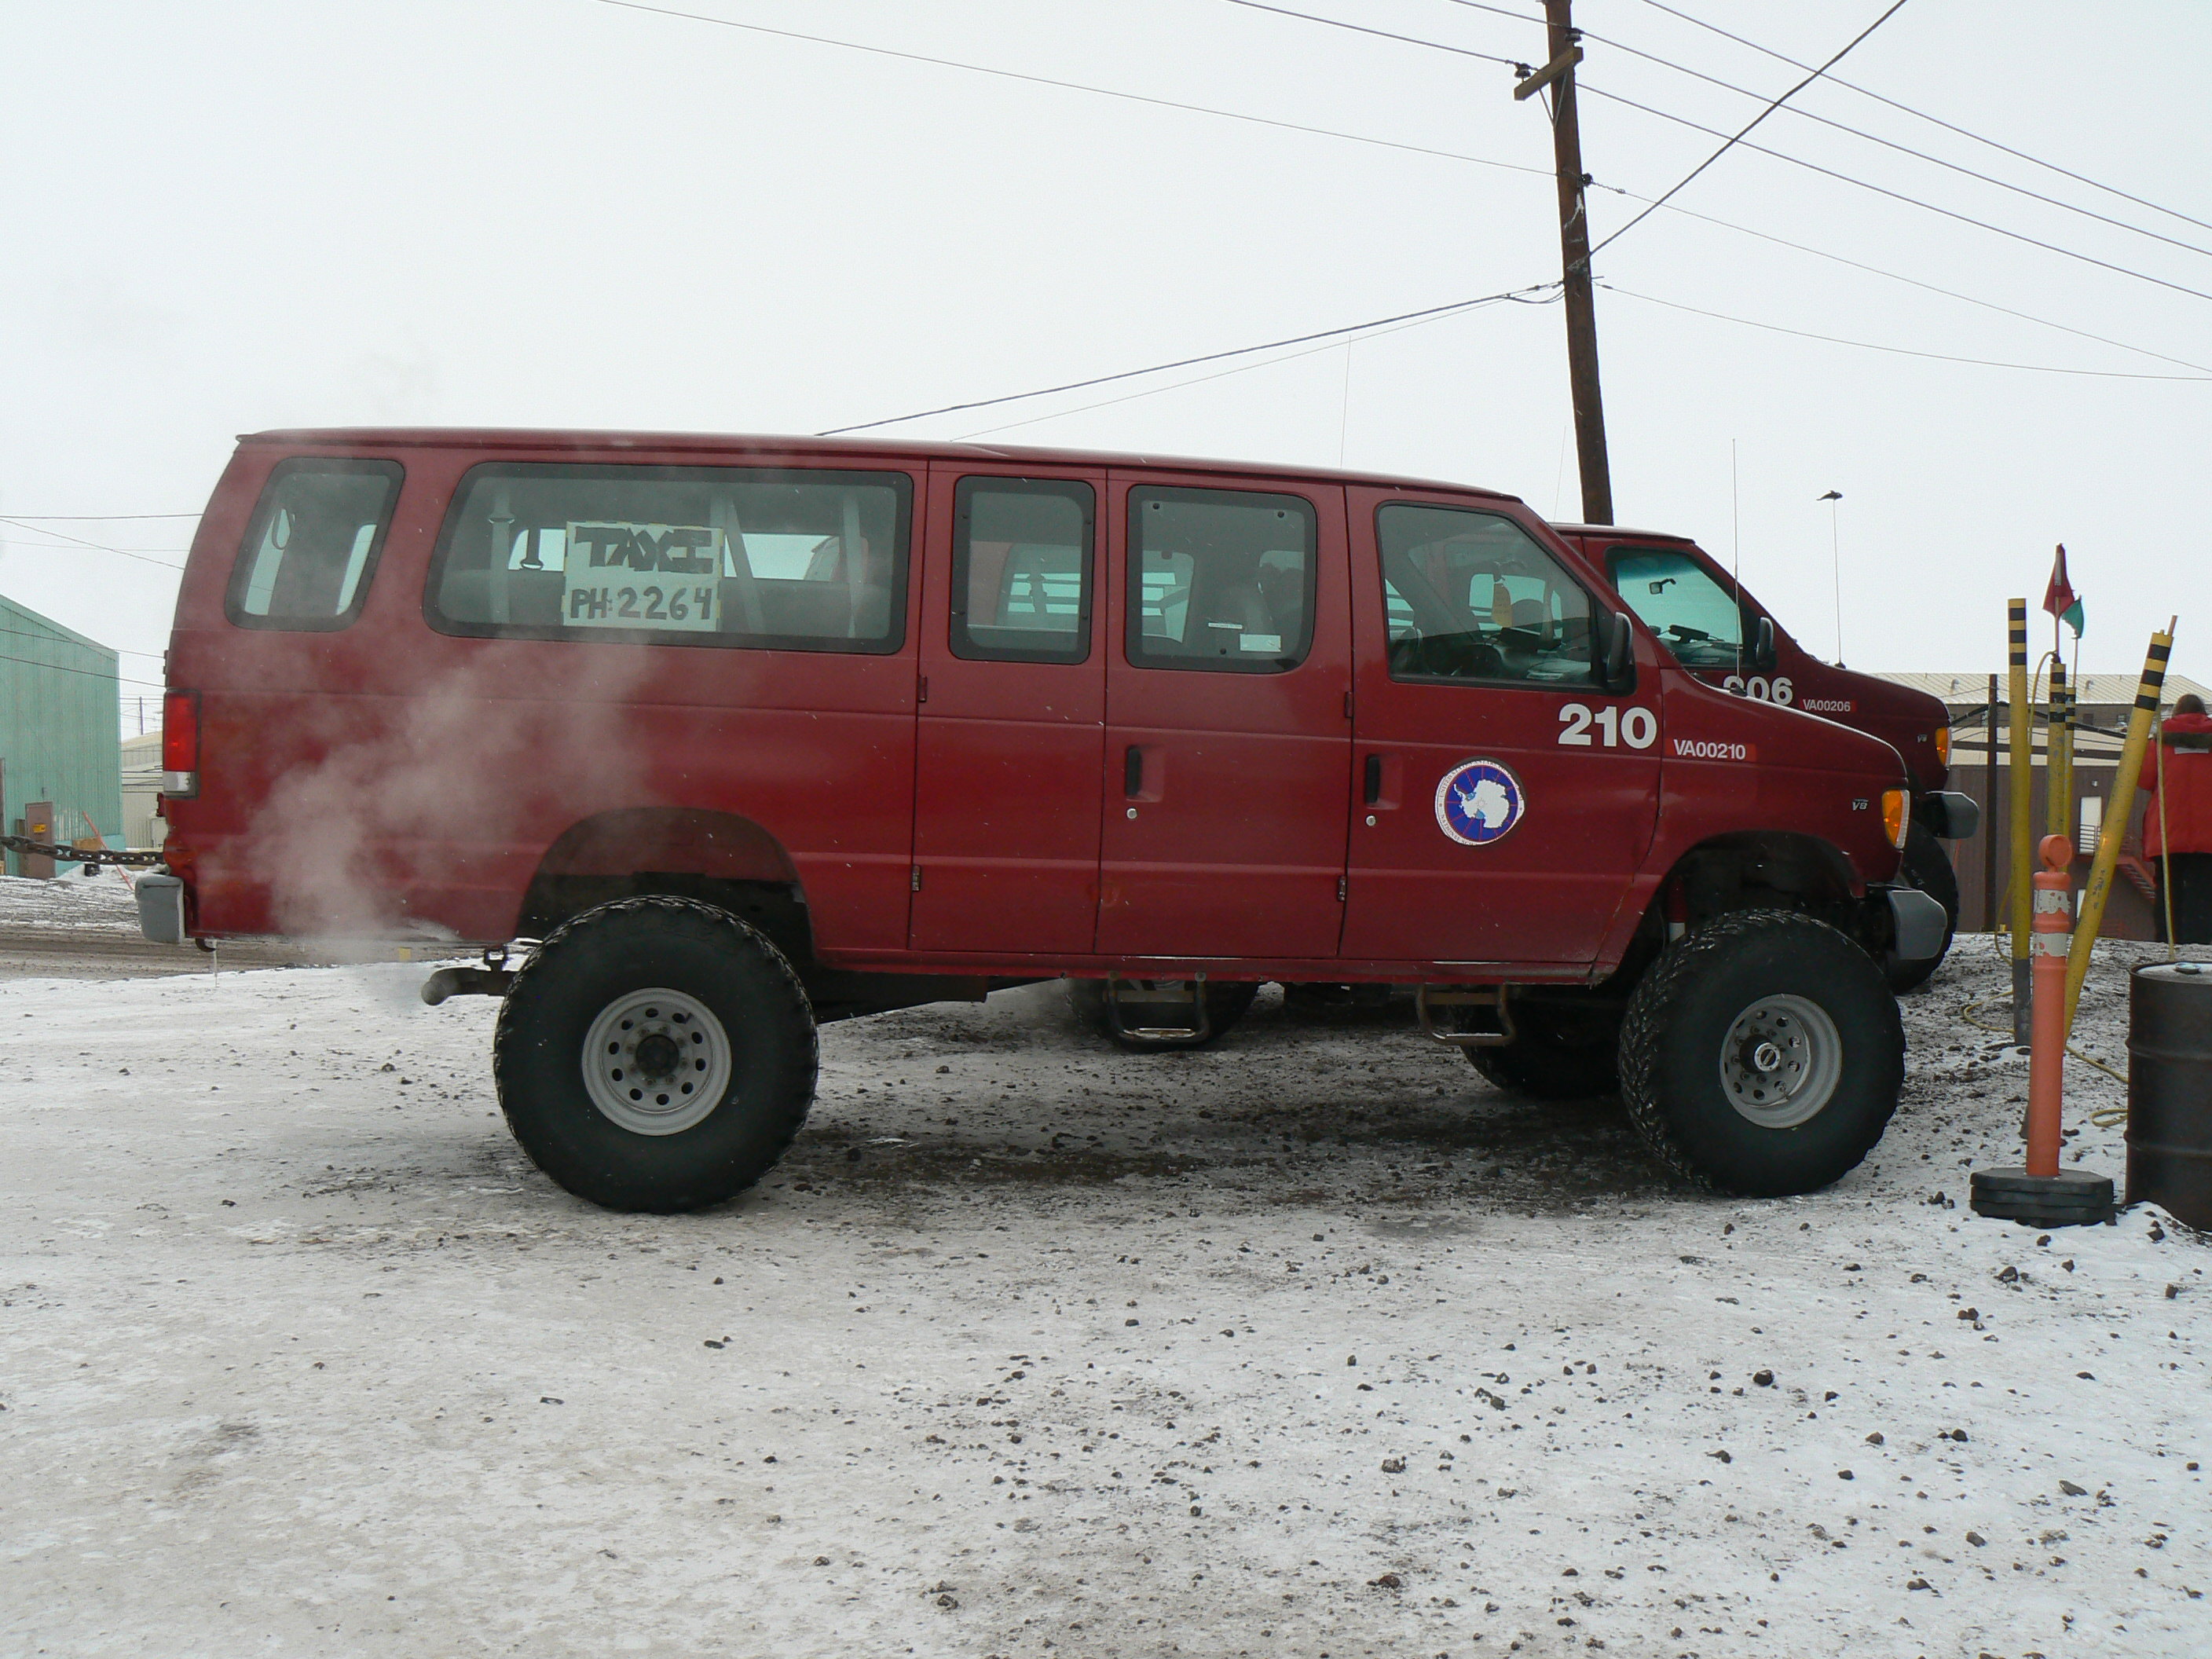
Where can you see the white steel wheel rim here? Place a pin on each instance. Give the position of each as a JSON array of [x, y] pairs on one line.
[[1781, 1061], [656, 1061]]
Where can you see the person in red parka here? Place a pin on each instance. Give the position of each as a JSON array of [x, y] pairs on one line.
[[2177, 773]]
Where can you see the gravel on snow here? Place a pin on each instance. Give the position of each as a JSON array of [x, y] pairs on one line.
[[1311, 1343]]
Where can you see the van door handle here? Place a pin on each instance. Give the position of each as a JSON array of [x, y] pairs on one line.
[[1373, 791], [1133, 772]]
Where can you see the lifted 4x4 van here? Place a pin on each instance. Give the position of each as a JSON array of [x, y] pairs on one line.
[[707, 740], [1724, 636]]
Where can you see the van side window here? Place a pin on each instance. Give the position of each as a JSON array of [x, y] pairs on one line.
[[311, 546], [1471, 596], [1021, 569], [1221, 580], [786, 559]]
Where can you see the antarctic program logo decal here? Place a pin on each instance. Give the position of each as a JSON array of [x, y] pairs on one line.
[[1478, 802]]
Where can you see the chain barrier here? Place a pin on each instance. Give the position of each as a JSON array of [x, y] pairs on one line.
[[91, 857]]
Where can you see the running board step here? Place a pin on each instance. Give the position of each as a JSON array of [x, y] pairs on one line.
[[1141, 997], [1429, 997]]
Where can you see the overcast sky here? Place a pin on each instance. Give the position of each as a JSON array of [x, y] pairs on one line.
[[231, 216]]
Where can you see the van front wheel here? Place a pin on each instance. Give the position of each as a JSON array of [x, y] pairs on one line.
[[1763, 1055], [655, 1053]]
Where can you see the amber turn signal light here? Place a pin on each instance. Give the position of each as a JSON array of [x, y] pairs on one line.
[[1896, 815], [1942, 745]]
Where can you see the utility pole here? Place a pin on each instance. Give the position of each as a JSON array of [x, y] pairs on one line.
[[1574, 259]]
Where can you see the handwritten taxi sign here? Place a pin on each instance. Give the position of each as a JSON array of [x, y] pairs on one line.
[[642, 575]]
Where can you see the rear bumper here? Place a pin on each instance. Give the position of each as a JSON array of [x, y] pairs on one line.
[[160, 906]]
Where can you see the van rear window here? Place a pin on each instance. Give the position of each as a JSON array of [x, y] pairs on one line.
[[311, 546], [792, 560]]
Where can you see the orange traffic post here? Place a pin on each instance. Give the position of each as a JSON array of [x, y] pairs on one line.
[[2051, 933], [2041, 1195]]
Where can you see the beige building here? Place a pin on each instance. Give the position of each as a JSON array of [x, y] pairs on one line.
[[142, 787]]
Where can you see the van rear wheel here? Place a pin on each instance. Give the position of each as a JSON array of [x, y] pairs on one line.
[[655, 1054], [1763, 1055]]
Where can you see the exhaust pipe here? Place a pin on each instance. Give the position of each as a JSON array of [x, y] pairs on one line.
[[466, 982]]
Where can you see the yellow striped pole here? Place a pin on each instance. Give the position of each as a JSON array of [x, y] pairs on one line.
[[2115, 832], [2021, 781]]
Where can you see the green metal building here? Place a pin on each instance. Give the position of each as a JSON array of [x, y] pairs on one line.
[[60, 738]]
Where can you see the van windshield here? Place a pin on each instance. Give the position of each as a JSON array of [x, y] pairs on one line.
[[1677, 598]]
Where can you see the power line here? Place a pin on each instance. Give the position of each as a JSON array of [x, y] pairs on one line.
[[59, 668], [1887, 143], [1385, 143], [1914, 281], [58, 547], [104, 518], [1188, 362], [1384, 35], [1894, 8], [1901, 351], [1500, 11], [1243, 368], [1778, 156], [28, 634], [95, 546], [1879, 190], [1077, 86], [1920, 114]]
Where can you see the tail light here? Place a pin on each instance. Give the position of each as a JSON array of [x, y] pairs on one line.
[[1942, 745], [180, 745], [1896, 815]]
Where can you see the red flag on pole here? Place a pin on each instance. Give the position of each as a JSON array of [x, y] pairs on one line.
[[2059, 598]]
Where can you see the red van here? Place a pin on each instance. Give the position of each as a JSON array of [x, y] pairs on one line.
[[1724, 636], [707, 739]]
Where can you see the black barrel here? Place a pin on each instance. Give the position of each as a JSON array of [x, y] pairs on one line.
[[2170, 1089]]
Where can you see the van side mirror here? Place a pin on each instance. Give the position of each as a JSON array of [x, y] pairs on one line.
[[1764, 656], [1615, 669]]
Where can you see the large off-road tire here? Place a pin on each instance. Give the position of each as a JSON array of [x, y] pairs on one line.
[[1227, 1001], [1562, 1053], [1927, 866], [655, 1053], [1762, 1055]]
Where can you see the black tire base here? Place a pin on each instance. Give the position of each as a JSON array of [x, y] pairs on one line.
[[2072, 1198]]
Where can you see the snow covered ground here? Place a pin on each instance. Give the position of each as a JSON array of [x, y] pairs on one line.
[[102, 902], [1310, 1344]]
